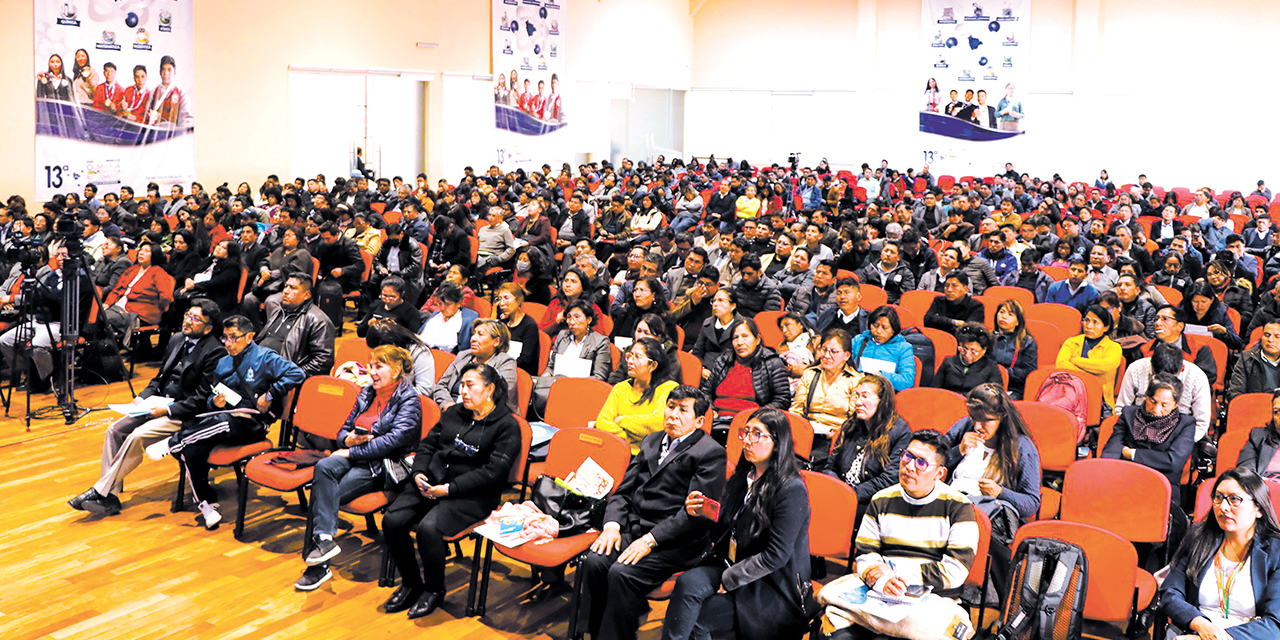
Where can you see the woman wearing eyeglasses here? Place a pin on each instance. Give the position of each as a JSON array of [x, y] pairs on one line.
[[1155, 434], [391, 304], [973, 363], [870, 443], [1225, 578], [826, 391], [751, 580], [636, 406], [509, 307], [993, 460]]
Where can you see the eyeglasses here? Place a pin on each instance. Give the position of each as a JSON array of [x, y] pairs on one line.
[[831, 352], [230, 339], [193, 316], [1231, 499], [752, 436], [921, 463]]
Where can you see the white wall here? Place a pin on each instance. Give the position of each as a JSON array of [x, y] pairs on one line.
[[1179, 90]]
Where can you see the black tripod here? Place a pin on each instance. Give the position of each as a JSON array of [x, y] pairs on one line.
[[24, 333]]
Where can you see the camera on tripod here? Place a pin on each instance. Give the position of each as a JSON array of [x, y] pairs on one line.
[[25, 251], [68, 229]]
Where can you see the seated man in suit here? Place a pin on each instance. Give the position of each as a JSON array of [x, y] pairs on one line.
[[647, 536], [187, 374]]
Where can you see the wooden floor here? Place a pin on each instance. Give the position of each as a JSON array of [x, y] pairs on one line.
[[149, 573]]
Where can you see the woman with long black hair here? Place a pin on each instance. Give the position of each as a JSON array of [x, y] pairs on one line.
[[866, 450], [755, 591], [1224, 578]]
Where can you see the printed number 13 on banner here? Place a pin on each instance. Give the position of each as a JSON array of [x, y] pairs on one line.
[[53, 175]]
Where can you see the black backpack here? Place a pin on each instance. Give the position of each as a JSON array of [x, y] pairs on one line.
[[923, 348], [1047, 592]]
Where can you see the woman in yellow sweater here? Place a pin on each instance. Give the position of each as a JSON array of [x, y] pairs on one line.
[[1094, 353], [636, 405]]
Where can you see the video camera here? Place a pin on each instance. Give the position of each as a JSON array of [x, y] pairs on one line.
[[68, 229], [25, 251]]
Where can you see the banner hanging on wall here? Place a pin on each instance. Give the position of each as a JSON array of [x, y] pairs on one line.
[[528, 70], [113, 85], [976, 57]]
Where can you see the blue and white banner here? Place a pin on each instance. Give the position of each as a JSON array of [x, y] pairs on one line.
[[528, 75], [113, 84], [976, 54]]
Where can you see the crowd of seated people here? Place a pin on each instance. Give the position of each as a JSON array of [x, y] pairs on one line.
[[793, 290]]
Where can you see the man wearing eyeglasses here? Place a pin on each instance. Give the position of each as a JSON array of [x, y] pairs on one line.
[[647, 536], [919, 532], [187, 373], [252, 381]]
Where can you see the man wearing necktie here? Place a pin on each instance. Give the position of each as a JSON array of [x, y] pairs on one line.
[[647, 536], [187, 374]]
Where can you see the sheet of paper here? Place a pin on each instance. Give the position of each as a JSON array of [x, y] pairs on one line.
[[876, 365], [542, 432], [223, 390], [1197, 330], [515, 349], [572, 367], [142, 406], [590, 480], [622, 342]]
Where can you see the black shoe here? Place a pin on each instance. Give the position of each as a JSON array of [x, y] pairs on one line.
[[552, 576], [108, 505], [313, 577], [322, 551], [77, 502], [402, 599], [427, 604]]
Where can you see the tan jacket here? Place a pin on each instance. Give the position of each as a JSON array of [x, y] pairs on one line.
[[831, 404]]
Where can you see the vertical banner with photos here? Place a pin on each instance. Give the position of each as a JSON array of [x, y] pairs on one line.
[[528, 76], [113, 85], [976, 57]]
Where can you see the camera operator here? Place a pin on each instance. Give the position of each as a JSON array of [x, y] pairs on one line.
[[44, 324]]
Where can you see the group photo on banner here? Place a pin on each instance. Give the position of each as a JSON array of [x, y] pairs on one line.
[[975, 60], [528, 66], [113, 94]]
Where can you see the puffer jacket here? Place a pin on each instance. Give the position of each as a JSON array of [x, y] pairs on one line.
[[897, 350], [397, 430], [769, 378]]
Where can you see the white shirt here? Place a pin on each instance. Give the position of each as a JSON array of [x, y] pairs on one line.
[[440, 333], [1243, 602]]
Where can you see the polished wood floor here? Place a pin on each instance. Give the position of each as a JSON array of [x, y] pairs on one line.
[[149, 573]]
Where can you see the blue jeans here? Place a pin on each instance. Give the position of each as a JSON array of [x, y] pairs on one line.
[[683, 222], [695, 609], [337, 480]]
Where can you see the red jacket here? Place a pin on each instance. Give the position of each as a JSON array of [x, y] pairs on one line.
[[151, 295]]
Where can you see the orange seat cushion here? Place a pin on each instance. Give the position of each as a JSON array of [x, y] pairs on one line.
[[663, 592], [551, 553], [1050, 501], [273, 477], [223, 456], [368, 503]]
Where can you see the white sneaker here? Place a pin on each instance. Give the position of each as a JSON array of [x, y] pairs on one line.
[[211, 515], [158, 450]]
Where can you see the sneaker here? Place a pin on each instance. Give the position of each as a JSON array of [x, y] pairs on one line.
[[77, 502], [322, 551], [108, 505], [158, 450], [210, 514], [313, 577]]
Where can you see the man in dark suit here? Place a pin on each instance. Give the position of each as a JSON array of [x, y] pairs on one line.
[[647, 536], [187, 375], [252, 253]]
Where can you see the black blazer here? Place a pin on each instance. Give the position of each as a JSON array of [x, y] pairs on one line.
[[222, 286], [1258, 450], [763, 582], [1158, 226], [650, 498], [254, 258], [188, 380]]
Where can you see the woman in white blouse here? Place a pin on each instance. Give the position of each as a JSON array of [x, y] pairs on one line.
[[449, 329]]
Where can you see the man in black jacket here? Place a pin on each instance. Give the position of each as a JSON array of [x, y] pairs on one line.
[[298, 330], [340, 269], [648, 536], [955, 306], [187, 374], [722, 206], [252, 253]]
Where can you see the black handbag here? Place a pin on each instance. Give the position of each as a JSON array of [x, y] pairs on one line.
[[575, 512]]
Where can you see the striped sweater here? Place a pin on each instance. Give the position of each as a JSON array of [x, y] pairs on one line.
[[930, 541]]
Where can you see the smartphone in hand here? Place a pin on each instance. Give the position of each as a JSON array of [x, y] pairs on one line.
[[360, 431], [710, 509]]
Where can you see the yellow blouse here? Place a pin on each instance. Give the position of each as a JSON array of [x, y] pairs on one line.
[[622, 417]]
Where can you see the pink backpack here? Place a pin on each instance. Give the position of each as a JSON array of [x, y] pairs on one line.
[[1066, 390]]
